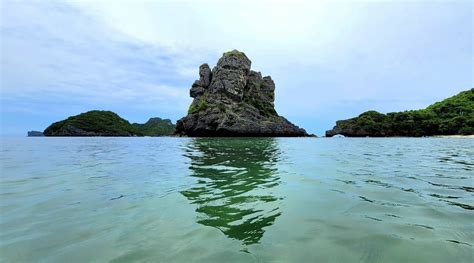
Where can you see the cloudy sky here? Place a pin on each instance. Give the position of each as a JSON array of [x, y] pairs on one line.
[[330, 60]]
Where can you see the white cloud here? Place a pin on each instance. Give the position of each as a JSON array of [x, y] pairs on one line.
[[83, 60], [252, 26]]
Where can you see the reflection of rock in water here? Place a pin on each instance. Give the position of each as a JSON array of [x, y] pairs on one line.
[[234, 190]]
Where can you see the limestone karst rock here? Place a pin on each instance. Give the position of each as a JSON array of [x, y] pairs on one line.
[[233, 100], [451, 116]]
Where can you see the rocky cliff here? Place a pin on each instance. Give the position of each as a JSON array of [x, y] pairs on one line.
[[233, 100], [452, 116]]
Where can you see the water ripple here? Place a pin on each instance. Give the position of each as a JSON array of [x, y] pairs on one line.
[[237, 199]]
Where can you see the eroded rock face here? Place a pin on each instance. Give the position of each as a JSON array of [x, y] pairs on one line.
[[234, 100], [199, 86], [230, 75], [205, 75]]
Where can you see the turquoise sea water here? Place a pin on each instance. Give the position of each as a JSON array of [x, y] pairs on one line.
[[237, 200]]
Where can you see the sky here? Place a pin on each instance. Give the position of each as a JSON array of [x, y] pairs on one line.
[[330, 60]]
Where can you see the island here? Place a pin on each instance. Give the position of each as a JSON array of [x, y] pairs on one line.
[[107, 123], [233, 100], [155, 127], [452, 116], [35, 134]]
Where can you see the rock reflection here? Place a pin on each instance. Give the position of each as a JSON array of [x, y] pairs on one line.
[[236, 179]]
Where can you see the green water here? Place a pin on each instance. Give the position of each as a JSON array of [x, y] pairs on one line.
[[237, 200]]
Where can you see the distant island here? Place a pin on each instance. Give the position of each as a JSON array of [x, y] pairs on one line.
[[155, 127], [35, 134], [452, 116], [107, 123], [233, 100]]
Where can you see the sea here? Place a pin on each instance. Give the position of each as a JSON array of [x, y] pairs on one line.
[[169, 199]]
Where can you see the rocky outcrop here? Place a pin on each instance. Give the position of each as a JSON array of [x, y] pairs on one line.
[[199, 86], [233, 100]]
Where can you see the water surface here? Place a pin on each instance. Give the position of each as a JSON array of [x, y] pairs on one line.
[[237, 200]]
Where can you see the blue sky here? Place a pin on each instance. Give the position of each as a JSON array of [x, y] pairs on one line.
[[330, 60]]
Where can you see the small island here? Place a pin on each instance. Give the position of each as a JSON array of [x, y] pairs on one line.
[[35, 134], [233, 100], [155, 127], [452, 116], [107, 123]]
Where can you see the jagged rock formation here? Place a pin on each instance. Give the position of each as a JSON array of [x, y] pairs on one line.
[[452, 116], [233, 100]]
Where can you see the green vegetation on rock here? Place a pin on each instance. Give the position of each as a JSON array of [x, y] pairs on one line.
[[92, 123], [235, 53], [265, 108], [107, 123], [155, 127], [452, 116], [199, 104]]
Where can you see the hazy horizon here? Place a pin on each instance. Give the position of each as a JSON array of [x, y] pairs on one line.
[[330, 60]]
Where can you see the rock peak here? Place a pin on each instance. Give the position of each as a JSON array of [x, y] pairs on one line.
[[234, 60], [233, 100]]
